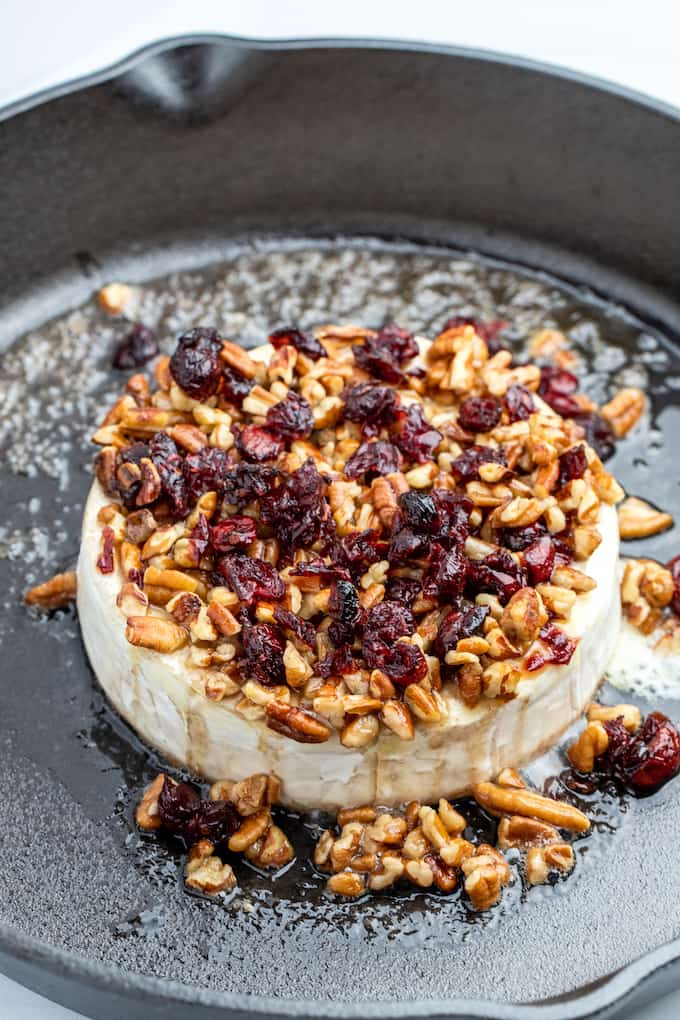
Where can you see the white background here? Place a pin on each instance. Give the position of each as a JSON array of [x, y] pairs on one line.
[[49, 41]]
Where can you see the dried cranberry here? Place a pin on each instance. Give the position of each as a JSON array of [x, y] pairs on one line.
[[404, 663], [406, 544], [446, 573], [138, 347], [418, 510], [184, 814], [372, 406], [519, 403], [414, 436], [244, 483], [385, 623], [359, 550], [517, 539], [385, 353], [467, 464], [167, 461], [256, 443], [301, 629], [573, 464], [305, 343], [650, 758], [235, 387], [598, 434], [251, 579], [263, 648], [206, 471], [233, 533], [338, 663], [105, 558], [402, 590], [344, 609], [200, 536], [557, 647], [326, 572], [674, 567], [556, 388], [378, 457], [196, 366], [453, 516], [290, 418], [479, 414], [459, 624], [488, 331], [297, 509], [498, 573], [539, 559]]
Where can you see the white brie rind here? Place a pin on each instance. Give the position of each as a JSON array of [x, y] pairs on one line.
[[154, 693]]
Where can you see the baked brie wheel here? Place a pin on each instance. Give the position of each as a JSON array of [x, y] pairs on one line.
[[162, 693]]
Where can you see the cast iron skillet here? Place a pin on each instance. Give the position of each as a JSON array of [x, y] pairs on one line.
[[166, 160]]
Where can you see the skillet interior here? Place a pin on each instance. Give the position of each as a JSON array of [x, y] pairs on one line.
[[93, 182]]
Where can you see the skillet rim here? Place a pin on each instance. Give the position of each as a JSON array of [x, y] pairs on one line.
[[603, 997]]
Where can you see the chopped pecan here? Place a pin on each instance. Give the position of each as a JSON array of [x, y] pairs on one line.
[[624, 410], [637, 519], [542, 860], [592, 742], [154, 633], [147, 814], [205, 871], [629, 715], [56, 593], [297, 723]]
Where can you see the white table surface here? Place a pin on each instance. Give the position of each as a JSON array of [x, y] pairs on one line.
[[51, 41]]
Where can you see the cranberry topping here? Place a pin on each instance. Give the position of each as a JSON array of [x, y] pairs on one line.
[[372, 406], [674, 567], [418, 510], [519, 403], [305, 343], [196, 366], [105, 559], [378, 457], [251, 579], [344, 609], [539, 560], [414, 436], [404, 664], [206, 471], [402, 590], [498, 573], [201, 536], [326, 572], [263, 648], [446, 573], [556, 388], [168, 462], [297, 509], [184, 814], [235, 387], [598, 434], [459, 624], [556, 647], [233, 533], [645, 760], [243, 483], [467, 464], [338, 663], [453, 516], [573, 464], [517, 539], [479, 414], [138, 347], [384, 624], [256, 443], [385, 353], [359, 550], [290, 418], [300, 629]]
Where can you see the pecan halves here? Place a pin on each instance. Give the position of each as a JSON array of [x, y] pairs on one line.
[[56, 593], [296, 723], [504, 800]]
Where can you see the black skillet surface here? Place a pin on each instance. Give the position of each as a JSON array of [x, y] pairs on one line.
[[165, 166]]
